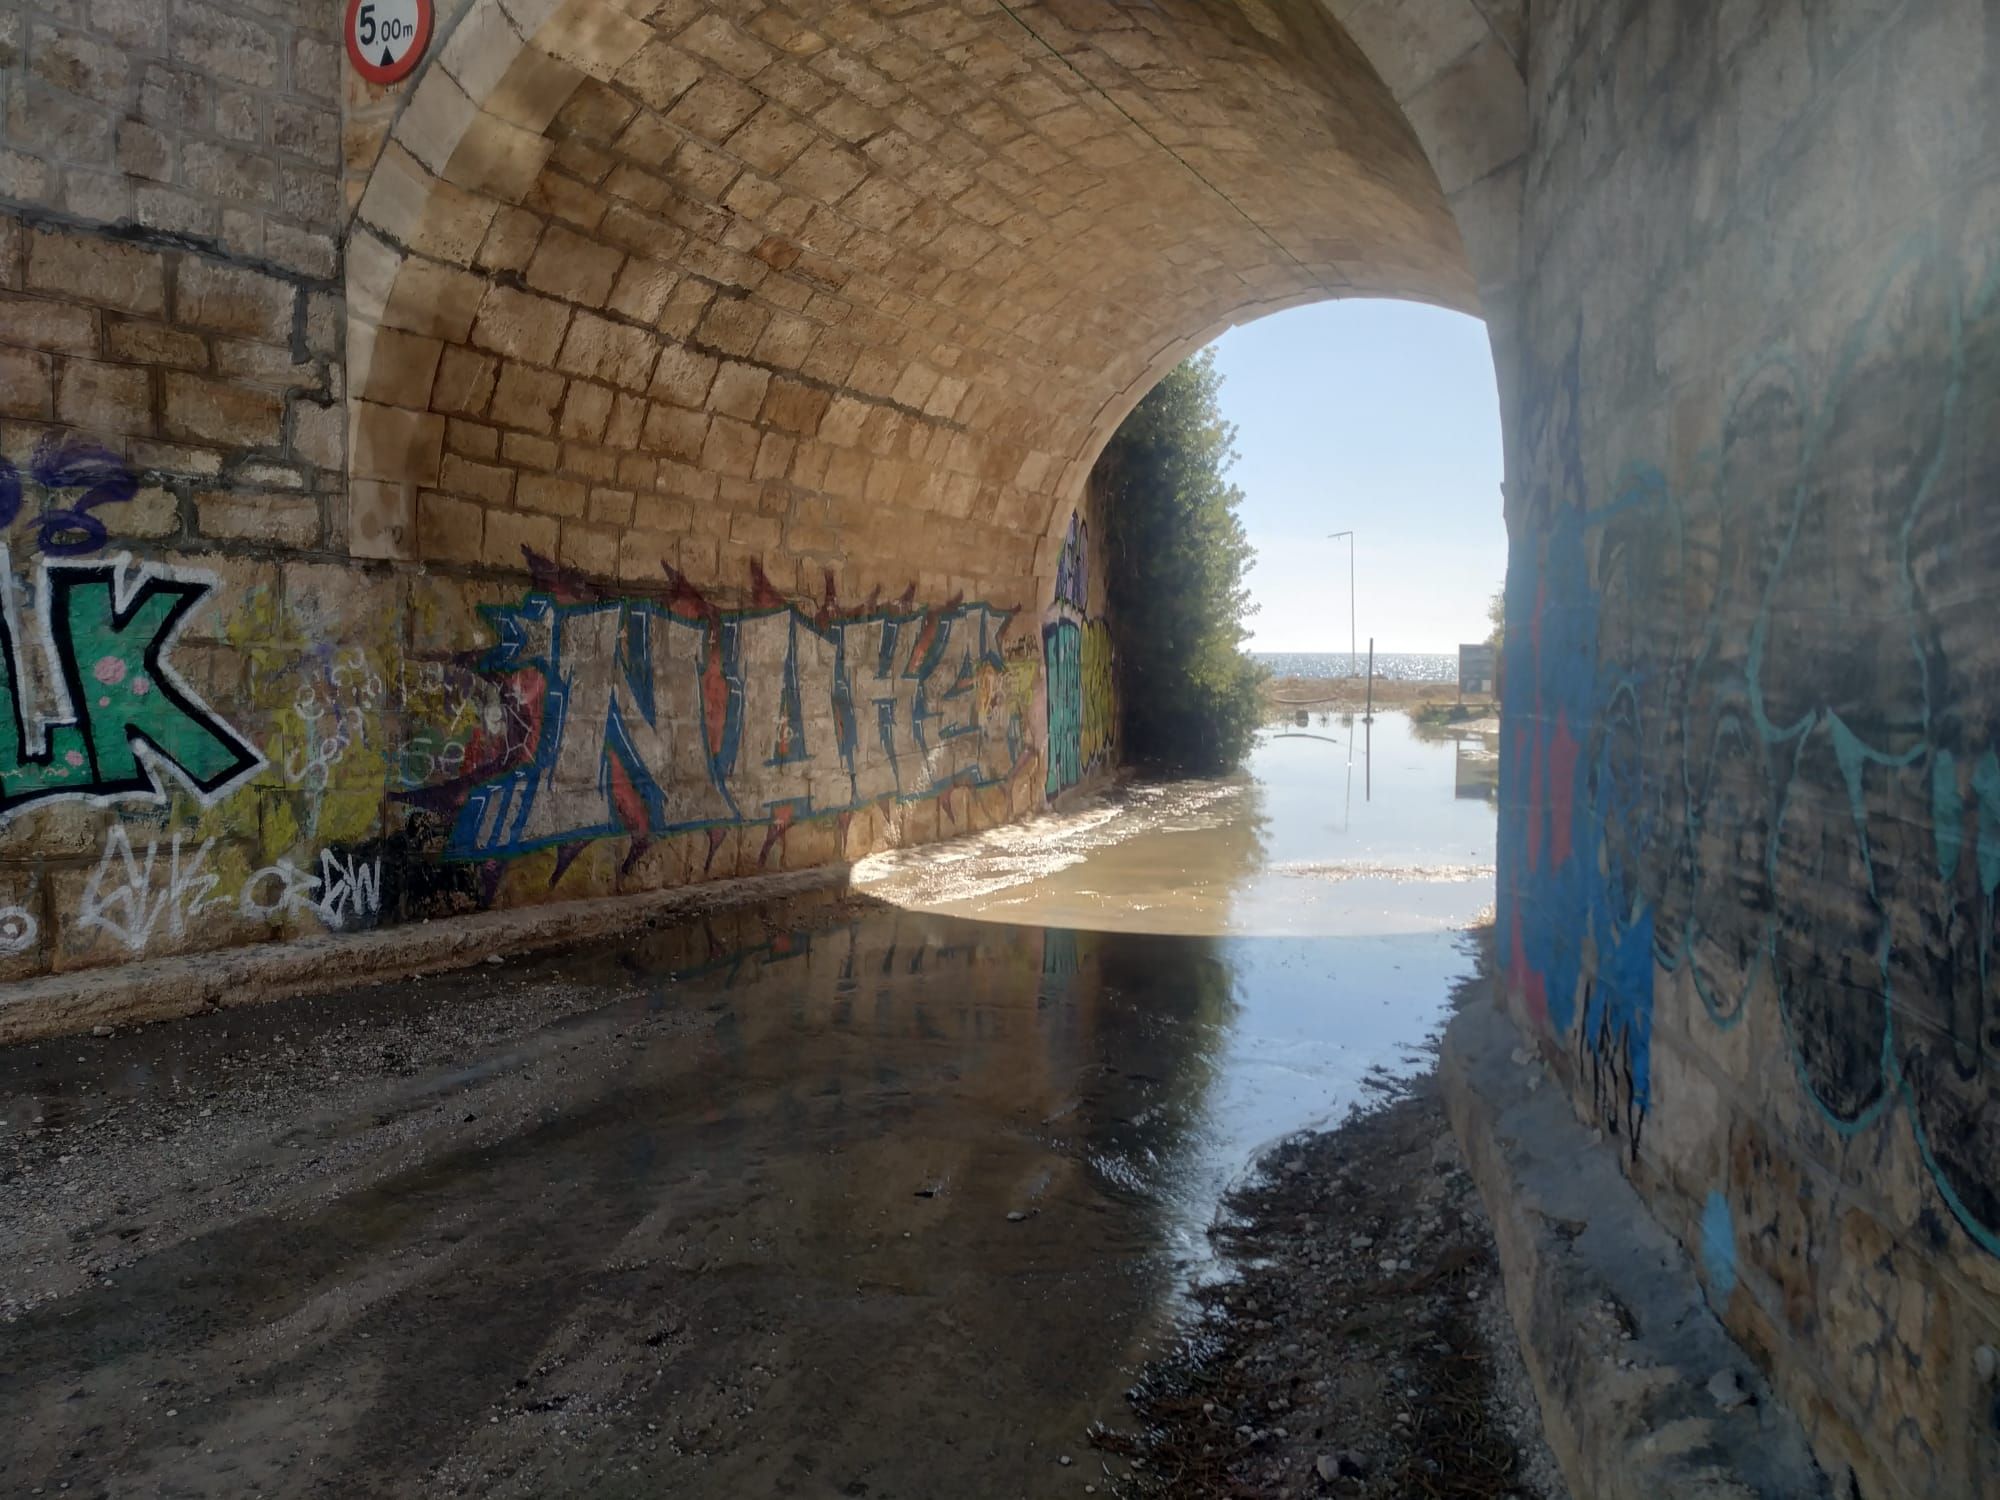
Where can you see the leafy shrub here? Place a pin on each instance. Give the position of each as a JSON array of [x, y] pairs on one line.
[[1177, 551]]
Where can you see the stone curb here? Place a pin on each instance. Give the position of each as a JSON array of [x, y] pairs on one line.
[[166, 988], [1637, 1379]]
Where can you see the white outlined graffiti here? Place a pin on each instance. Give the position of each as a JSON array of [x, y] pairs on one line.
[[109, 719], [18, 930]]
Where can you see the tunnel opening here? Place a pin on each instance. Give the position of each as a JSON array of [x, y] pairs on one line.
[[1387, 409], [775, 360]]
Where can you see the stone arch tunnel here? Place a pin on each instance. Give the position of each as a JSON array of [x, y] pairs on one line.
[[650, 443]]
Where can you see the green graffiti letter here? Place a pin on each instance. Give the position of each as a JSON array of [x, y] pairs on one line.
[[129, 715]]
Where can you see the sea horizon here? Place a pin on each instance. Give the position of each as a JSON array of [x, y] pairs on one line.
[[1394, 666]]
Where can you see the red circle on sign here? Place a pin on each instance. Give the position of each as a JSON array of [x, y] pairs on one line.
[[398, 68]]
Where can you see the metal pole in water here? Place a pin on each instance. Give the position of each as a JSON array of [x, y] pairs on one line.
[[1353, 655], [1371, 681]]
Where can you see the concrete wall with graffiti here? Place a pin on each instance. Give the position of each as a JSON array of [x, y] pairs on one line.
[[1751, 799], [1078, 662]]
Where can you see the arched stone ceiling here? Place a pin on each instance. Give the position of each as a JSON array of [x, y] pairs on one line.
[[854, 292]]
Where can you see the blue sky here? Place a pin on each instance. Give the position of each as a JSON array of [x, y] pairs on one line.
[[1382, 417]]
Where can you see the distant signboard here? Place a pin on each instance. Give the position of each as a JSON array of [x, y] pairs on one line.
[[1476, 669]]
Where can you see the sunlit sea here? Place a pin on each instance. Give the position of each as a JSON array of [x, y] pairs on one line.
[[1398, 666]]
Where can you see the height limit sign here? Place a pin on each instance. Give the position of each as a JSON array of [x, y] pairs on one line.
[[386, 38]]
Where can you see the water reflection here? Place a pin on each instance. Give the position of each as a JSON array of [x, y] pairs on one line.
[[1337, 916], [791, 1202]]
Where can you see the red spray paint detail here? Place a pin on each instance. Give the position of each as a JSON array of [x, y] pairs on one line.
[[715, 838], [566, 855], [714, 694], [567, 585], [625, 797], [687, 601], [920, 647], [1526, 982], [1563, 751], [1536, 809], [781, 821], [763, 593]]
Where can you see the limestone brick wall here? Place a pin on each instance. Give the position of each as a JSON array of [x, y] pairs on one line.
[[210, 122], [172, 410], [1749, 818]]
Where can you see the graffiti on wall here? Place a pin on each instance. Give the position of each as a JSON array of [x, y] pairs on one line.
[[136, 898], [588, 716], [1099, 731], [77, 479], [1756, 737], [95, 707], [1567, 788], [101, 713], [1062, 665], [1076, 657], [644, 717], [1073, 567], [1079, 671]]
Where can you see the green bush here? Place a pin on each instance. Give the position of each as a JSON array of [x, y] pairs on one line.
[[1191, 698]]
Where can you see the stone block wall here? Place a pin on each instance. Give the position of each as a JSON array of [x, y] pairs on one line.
[[1751, 808], [209, 122]]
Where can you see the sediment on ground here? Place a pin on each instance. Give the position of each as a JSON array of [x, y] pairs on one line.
[[1357, 1345]]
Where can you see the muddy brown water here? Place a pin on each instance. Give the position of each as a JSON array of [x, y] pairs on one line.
[[887, 1206]]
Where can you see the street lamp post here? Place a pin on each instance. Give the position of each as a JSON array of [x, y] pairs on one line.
[[1353, 652]]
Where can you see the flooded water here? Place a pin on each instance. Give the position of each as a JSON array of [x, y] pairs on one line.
[[890, 1201], [1330, 886]]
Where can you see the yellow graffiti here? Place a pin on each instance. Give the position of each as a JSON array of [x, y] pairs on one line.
[[323, 713], [1100, 695], [1023, 672]]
